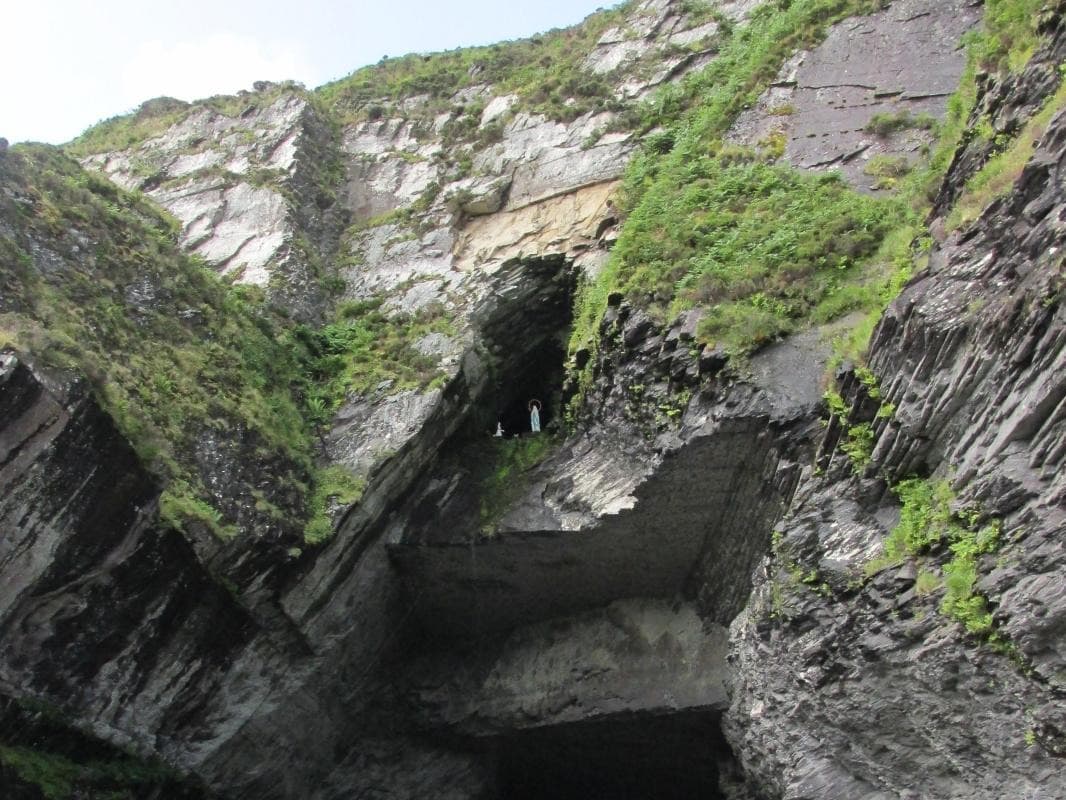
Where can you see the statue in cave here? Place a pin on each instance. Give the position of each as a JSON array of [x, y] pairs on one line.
[[534, 415]]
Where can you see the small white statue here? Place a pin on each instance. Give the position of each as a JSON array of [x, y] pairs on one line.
[[534, 416]]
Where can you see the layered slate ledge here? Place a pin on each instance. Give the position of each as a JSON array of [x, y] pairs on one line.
[[596, 612], [98, 600], [971, 359], [892, 64]]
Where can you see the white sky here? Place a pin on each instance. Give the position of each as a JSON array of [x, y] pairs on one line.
[[66, 64]]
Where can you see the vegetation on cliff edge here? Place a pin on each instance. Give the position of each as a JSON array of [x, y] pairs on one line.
[[92, 278], [545, 72], [761, 246], [42, 756]]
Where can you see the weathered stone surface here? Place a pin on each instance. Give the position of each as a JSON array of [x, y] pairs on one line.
[[409, 769], [222, 176], [671, 489], [103, 612], [630, 657], [1005, 102], [568, 224], [239, 228], [654, 27], [365, 430], [218, 141], [616, 514], [890, 63], [394, 258], [478, 196], [388, 167], [497, 107]]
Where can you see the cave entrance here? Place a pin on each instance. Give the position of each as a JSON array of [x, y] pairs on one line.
[[672, 757], [540, 379], [526, 332], [524, 325]]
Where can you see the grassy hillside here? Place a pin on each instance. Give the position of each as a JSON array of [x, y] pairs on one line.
[[92, 278], [762, 247]]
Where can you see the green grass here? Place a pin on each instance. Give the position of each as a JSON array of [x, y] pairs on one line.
[[1009, 37], [510, 459], [335, 487], [887, 169], [155, 116], [544, 71], [180, 504], [858, 445], [927, 521], [127, 130], [748, 61], [200, 357], [204, 359], [925, 517], [1005, 41], [58, 777], [760, 246], [887, 123], [362, 349], [998, 175]]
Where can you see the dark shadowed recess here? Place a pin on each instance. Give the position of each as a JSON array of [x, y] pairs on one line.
[[525, 330], [524, 327], [673, 757]]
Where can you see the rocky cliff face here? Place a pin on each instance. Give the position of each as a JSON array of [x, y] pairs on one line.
[[864, 689], [690, 568]]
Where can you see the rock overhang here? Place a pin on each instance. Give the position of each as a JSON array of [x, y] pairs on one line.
[[671, 515]]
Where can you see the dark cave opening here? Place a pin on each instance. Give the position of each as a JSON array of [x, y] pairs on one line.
[[524, 326], [539, 380], [641, 757], [526, 336]]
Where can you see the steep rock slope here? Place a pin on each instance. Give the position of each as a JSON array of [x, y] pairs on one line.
[[107, 614], [253, 181], [969, 360], [316, 622], [870, 93], [411, 184]]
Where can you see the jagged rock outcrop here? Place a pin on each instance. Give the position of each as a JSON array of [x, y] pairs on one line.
[[109, 616], [971, 357], [616, 514], [594, 666], [253, 183], [1005, 103]]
